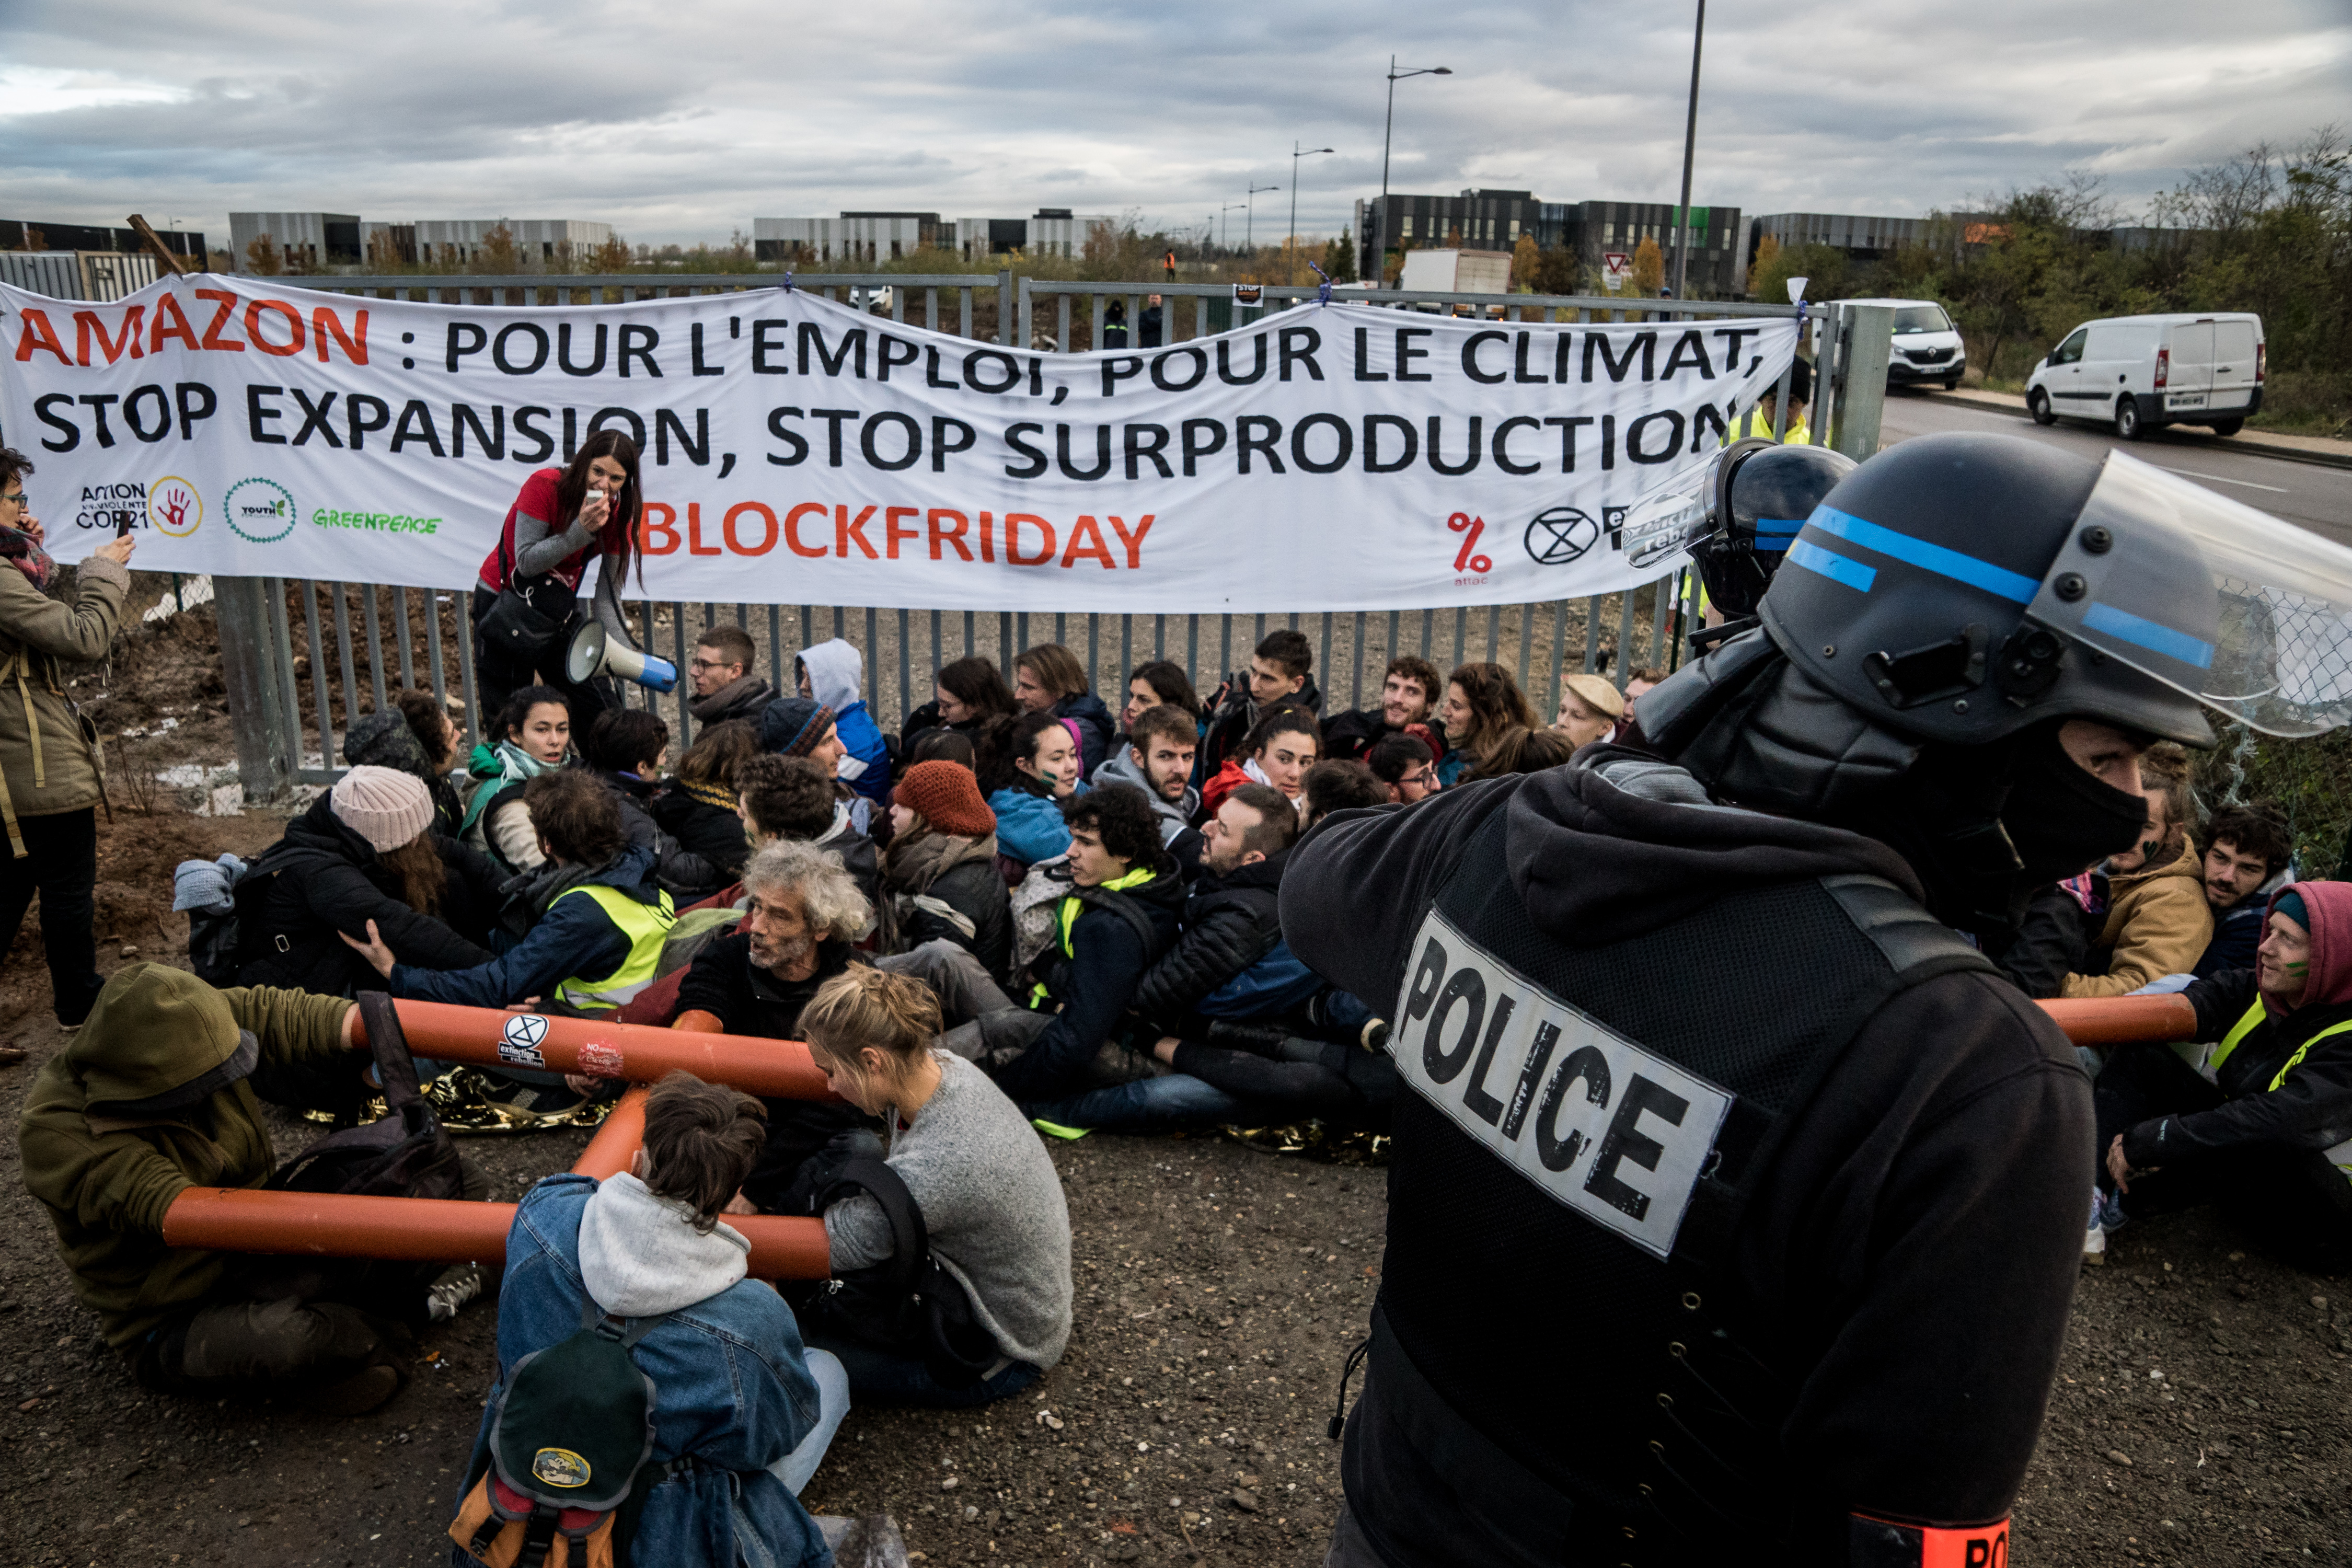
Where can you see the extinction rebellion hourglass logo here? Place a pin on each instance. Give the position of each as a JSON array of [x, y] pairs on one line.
[[260, 511]]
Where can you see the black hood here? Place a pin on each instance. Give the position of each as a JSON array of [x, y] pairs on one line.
[[1619, 844]]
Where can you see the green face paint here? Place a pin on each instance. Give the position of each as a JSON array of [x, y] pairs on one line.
[[2298, 968]]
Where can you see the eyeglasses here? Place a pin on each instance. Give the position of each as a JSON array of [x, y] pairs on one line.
[[1426, 778], [699, 664], [20, 498]]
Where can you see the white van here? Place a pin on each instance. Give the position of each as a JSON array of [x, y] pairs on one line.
[[2134, 372], [1928, 347]]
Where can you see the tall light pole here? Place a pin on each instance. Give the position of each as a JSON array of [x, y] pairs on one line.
[[1690, 145], [1387, 131], [1249, 217], [1296, 155], [1227, 242]]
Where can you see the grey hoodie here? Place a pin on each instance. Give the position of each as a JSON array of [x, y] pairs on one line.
[[640, 1255], [836, 672], [1175, 815]]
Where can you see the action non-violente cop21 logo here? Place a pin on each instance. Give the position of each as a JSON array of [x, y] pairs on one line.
[[260, 511]]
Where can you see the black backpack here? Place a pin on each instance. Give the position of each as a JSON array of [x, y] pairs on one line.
[[563, 1475], [906, 1304], [405, 1153]]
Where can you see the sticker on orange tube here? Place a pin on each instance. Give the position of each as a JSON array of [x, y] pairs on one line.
[[1883, 1543]]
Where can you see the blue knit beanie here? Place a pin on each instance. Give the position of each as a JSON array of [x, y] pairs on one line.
[[792, 726]]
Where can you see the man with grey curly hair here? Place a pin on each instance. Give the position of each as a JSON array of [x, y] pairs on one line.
[[801, 913]]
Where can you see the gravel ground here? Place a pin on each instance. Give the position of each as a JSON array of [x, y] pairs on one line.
[[1219, 1290]]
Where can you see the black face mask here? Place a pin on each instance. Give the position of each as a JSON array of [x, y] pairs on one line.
[[2062, 819]]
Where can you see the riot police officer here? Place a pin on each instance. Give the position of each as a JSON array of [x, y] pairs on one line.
[[1736, 1199]]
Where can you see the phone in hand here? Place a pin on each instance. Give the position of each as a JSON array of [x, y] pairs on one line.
[[122, 526]]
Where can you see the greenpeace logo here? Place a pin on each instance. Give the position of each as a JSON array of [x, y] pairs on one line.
[[376, 521], [1603, 1126]]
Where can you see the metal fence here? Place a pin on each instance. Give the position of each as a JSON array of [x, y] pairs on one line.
[[355, 642]]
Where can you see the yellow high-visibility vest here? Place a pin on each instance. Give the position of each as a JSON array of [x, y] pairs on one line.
[[646, 926]]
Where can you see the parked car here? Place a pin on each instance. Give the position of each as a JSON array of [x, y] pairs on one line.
[[1928, 347], [2140, 370]]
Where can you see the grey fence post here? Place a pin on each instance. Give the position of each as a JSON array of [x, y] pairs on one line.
[[256, 706], [1866, 341]]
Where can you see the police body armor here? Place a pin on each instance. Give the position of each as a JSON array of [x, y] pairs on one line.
[[1557, 1336]]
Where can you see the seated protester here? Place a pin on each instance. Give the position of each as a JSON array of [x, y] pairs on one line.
[[417, 736], [699, 808], [2249, 858], [598, 918], [1157, 758], [159, 1091], [942, 746], [965, 695], [1333, 786], [725, 688], [1281, 674], [802, 916], [1279, 749], [1049, 678], [1640, 680], [831, 673], [1228, 960], [992, 1203], [1269, 1076], [362, 854], [624, 750], [1482, 703], [1409, 693], [940, 868], [535, 736], [1589, 710], [803, 727], [2258, 1124], [1154, 683], [792, 798], [1118, 918], [2158, 921], [741, 1414], [1030, 823], [1518, 751], [1405, 766]]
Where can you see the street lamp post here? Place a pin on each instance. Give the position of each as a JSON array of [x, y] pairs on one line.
[[1227, 241], [1296, 155], [1249, 217], [1388, 130], [1690, 145]]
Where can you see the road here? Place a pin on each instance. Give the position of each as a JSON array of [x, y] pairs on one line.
[[2317, 498]]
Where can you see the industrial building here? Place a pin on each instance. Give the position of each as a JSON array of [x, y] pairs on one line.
[[26, 233], [857, 236], [1496, 220]]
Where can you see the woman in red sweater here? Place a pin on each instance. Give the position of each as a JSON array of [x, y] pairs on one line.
[[561, 518]]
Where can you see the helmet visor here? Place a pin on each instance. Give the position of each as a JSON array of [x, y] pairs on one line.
[[1675, 514], [2248, 613]]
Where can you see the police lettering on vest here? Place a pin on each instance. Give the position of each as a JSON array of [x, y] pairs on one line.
[[1614, 1132]]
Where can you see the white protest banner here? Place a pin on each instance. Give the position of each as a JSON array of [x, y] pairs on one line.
[[798, 452]]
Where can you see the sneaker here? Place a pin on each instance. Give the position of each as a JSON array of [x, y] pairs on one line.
[[452, 1289], [2111, 1217], [2095, 1236]]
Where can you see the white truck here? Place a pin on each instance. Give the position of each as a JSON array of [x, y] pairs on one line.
[[1457, 272], [2135, 372]]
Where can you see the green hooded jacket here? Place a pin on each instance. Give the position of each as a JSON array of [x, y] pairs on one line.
[[106, 1167]]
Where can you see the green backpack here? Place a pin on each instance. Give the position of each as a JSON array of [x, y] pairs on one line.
[[570, 1450]]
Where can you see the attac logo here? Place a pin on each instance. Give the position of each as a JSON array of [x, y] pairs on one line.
[[260, 511], [173, 507], [1558, 536]]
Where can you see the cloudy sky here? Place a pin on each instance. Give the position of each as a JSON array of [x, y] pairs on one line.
[[684, 120]]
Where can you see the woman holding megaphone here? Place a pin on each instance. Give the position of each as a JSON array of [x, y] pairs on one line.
[[526, 601]]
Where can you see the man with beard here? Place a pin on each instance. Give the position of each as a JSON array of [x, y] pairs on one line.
[[1714, 1130], [1409, 694], [1158, 760], [801, 913]]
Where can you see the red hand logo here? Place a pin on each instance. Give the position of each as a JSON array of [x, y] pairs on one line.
[[1476, 526]]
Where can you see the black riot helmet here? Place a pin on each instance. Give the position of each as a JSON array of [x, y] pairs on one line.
[[1762, 494], [1955, 600]]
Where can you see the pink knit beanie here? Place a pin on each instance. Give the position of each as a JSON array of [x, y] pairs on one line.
[[383, 806]]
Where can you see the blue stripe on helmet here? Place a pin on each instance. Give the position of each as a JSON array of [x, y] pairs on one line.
[[2152, 635], [1833, 566], [1976, 574]]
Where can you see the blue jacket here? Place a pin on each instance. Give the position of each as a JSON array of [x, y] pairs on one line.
[[836, 671], [731, 1389], [573, 937], [1029, 827]]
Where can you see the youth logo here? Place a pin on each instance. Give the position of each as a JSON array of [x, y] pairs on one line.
[[173, 507], [260, 511]]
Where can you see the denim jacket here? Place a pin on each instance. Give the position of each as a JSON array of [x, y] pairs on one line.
[[730, 1390]]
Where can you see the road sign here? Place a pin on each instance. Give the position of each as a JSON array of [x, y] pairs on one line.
[[1615, 268]]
